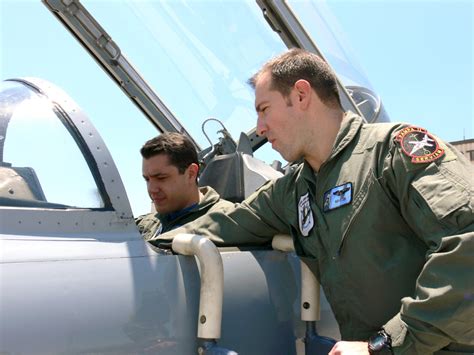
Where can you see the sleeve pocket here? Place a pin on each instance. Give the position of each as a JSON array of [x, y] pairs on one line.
[[442, 193]]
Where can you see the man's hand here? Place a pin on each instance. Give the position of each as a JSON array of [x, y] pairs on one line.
[[350, 347]]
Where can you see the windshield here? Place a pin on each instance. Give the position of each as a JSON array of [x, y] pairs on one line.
[[196, 55], [325, 31]]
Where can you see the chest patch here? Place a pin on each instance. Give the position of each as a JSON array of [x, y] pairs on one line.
[[338, 196], [418, 144], [305, 215]]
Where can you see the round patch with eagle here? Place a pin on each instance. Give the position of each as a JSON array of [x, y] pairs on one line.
[[418, 144]]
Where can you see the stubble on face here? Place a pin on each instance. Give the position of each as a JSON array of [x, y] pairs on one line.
[[271, 108], [166, 186]]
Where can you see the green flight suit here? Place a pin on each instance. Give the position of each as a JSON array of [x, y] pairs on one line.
[[153, 224], [393, 239]]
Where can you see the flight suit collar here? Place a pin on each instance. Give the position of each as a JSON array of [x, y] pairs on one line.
[[209, 197], [350, 126], [307, 173]]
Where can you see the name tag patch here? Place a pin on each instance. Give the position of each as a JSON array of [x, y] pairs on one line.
[[305, 215], [337, 197]]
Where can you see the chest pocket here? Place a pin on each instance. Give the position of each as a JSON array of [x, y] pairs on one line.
[[373, 221], [357, 205]]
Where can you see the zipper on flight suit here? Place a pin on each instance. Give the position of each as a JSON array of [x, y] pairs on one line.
[[320, 223], [358, 203]]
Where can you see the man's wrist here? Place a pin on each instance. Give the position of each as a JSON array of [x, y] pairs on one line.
[[380, 343]]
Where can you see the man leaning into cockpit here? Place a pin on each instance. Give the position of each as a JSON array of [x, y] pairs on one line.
[[386, 212], [170, 168]]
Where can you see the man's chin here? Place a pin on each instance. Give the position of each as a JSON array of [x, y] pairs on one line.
[[286, 157], [290, 156], [283, 153], [161, 209]]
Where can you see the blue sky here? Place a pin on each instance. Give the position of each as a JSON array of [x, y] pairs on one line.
[[418, 56]]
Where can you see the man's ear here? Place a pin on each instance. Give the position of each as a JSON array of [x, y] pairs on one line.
[[303, 92], [193, 171]]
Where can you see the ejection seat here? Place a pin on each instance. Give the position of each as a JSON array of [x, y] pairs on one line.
[[19, 184], [237, 174]]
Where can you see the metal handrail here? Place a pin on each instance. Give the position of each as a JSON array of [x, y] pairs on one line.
[[212, 281], [310, 290]]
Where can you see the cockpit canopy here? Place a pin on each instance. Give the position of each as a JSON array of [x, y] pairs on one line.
[[41, 163]]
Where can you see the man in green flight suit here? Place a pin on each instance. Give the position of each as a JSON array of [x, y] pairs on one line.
[[384, 210], [170, 168]]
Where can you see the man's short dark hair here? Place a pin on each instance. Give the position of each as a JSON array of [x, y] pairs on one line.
[[179, 149], [287, 68]]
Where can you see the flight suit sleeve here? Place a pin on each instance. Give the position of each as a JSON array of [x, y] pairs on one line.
[[436, 200], [147, 225], [253, 222]]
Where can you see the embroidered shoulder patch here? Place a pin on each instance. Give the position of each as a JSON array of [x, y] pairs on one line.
[[418, 144]]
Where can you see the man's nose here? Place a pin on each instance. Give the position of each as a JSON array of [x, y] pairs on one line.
[[261, 127], [153, 186]]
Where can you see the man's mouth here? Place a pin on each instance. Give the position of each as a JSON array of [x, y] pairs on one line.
[[158, 200]]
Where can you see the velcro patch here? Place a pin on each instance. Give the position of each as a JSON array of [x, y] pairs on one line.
[[305, 215], [337, 197], [419, 145]]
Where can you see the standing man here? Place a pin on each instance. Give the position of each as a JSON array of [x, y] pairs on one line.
[[385, 210], [170, 168]]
